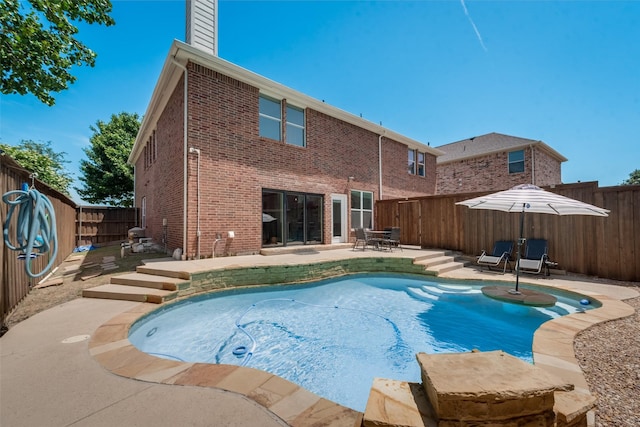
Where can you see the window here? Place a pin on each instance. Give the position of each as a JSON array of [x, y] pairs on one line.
[[412, 162], [361, 209], [516, 161], [143, 212], [295, 126], [270, 118], [421, 165]]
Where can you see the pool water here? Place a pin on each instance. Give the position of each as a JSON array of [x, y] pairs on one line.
[[333, 337]]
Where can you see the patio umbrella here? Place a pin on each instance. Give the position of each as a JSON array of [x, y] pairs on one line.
[[530, 198]]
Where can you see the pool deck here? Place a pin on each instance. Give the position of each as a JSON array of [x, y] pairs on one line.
[[72, 364]]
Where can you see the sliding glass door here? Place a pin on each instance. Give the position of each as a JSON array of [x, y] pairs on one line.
[[290, 218]]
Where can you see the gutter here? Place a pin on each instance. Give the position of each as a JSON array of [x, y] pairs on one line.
[[184, 154]]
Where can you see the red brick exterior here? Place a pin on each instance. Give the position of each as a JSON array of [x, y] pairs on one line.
[[491, 172], [236, 164]]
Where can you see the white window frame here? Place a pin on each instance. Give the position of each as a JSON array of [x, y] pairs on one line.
[[421, 170], [411, 161], [296, 125], [271, 118], [512, 162], [361, 210]]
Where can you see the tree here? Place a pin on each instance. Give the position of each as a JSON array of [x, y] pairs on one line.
[[107, 177], [38, 45], [634, 178], [40, 158]]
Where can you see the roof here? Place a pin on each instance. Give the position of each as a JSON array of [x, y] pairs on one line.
[[488, 144], [181, 53]]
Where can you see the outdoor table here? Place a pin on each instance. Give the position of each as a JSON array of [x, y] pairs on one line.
[[377, 236]]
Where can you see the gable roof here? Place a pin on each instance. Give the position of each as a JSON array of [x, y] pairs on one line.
[[181, 53], [488, 144]]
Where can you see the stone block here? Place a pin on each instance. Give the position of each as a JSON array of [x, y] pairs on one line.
[[489, 387]]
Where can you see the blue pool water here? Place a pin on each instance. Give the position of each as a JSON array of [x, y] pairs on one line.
[[333, 337]]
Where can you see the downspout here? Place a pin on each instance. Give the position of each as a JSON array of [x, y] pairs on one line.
[[197, 152], [533, 166], [184, 151], [380, 166]]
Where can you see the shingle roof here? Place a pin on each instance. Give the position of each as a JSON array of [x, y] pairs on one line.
[[490, 143]]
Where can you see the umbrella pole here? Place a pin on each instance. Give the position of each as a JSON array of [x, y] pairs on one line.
[[520, 241]]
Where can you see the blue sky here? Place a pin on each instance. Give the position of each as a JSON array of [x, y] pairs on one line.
[[564, 72]]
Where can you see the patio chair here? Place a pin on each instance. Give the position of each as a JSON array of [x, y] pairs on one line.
[[361, 238], [535, 257], [393, 241], [501, 254]]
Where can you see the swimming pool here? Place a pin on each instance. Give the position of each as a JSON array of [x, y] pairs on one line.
[[333, 337]]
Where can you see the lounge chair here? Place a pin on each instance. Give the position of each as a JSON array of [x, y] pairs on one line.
[[361, 238], [501, 254], [535, 257], [393, 241]]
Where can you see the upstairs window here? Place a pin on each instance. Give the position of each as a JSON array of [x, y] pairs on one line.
[[411, 164], [421, 164], [295, 126], [516, 161], [270, 118]]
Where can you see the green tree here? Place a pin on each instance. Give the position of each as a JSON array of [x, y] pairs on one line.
[[634, 178], [38, 46], [40, 158], [106, 176]]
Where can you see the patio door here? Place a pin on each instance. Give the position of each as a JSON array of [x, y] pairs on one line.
[[339, 228]]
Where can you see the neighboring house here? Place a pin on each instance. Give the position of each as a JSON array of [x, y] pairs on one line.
[[230, 160], [494, 162]]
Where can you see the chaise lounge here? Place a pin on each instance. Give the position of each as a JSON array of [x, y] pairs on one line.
[[501, 254], [535, 257]]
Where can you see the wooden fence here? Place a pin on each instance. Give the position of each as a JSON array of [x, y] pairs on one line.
[[604, 247], [15, 281], [75, 226], [102, 225]]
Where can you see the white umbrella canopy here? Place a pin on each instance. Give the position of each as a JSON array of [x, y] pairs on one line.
[[531, 198]]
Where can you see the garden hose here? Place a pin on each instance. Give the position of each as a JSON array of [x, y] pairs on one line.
[[35, 227]]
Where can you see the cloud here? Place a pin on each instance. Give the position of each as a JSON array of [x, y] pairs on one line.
[[466, 12]]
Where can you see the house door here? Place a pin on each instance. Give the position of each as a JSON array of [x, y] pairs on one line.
[[339, 218]]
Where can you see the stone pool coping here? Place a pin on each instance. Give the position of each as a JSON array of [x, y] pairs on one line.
[[552, 351]]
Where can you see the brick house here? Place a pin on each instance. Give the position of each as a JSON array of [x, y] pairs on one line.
[[495, 162], [228, 159]]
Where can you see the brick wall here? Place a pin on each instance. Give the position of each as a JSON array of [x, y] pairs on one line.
[[236, 164], [491, 173], [161, 181]]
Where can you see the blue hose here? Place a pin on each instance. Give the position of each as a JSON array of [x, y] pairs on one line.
[[35, 227]]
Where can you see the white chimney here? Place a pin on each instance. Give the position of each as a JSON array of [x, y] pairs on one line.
[[202, 25]]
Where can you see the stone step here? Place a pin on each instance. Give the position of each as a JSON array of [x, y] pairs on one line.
[[446, 267], [129, 293], [433, 255], [160, 269], [432, 262], [394, 403], [150, 281]]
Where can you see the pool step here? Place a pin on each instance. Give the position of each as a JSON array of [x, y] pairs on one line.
[[130, 293], [150, 281], [421, 294]]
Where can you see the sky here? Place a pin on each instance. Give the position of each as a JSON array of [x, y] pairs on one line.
[[563, 72]]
